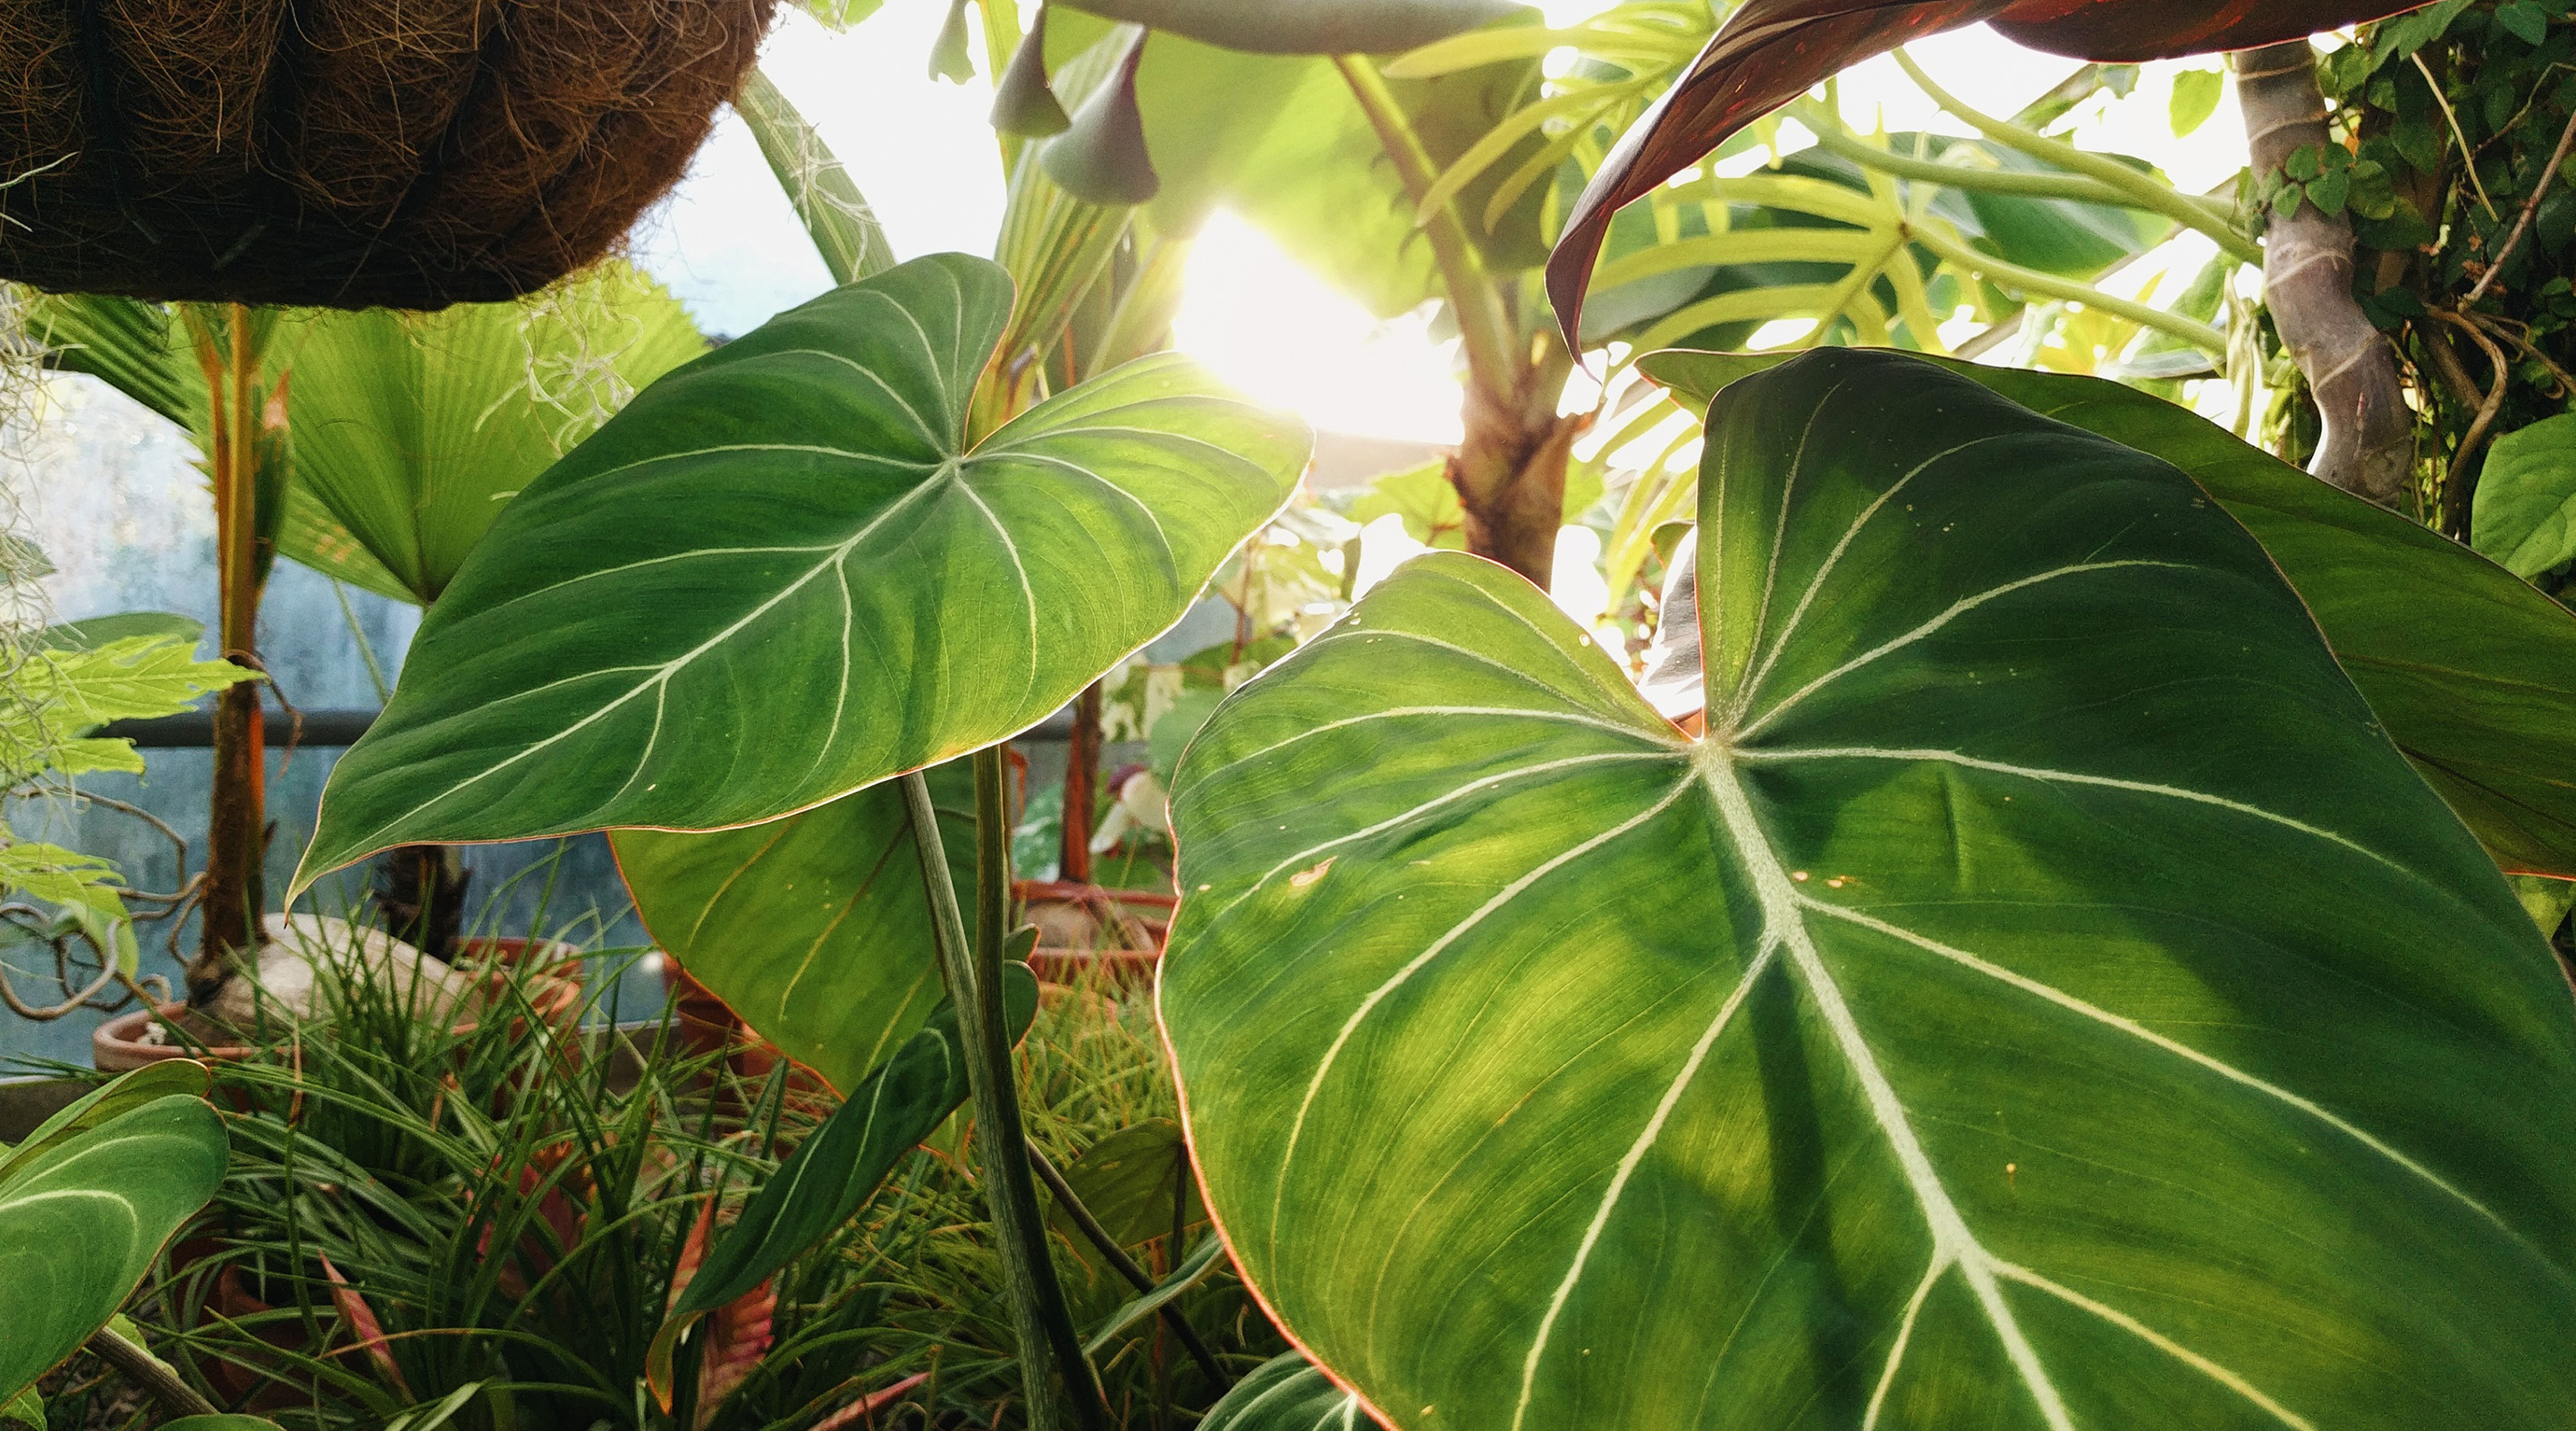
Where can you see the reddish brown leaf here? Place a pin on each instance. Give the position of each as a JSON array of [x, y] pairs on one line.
[[737, 1336], [1772, 51], [865, 1409], [362, 1324]]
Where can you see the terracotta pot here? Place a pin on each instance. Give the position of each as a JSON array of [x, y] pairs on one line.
[[708, 1028], [551, 957], [117, 1046], [1130, 926]]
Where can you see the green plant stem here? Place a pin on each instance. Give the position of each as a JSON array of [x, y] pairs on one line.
[[2031, 280], [1125, 1266], [1834, 139], [2140, 191], [1483, 331], [147, 1371], [973, 971]]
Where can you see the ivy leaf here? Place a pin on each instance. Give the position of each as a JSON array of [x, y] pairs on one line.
[[2195, 98]]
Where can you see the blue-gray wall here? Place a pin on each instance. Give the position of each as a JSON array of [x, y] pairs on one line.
[[112, 494]]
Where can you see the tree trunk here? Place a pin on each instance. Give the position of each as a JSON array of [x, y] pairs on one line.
[[235, 892], [1510, 470], [2369, 442], [1081, 788], [420, 891]]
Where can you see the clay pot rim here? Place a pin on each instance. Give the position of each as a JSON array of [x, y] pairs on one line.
[[549, 997]]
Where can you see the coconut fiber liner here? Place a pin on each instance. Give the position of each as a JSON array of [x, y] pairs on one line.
[[347, 153]]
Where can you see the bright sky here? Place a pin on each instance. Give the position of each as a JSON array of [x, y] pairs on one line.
[[920, 150]]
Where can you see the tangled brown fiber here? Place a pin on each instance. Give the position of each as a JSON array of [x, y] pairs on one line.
[[347, 153]]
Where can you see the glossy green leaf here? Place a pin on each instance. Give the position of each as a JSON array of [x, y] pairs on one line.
[[814, 929], [2471, 671], [169, 1078], [1286, 1393], [412, 431], [783, 573], [83, 1218], [1307, 27], [833, 1173], [2525, 513], [827, 200], [2045, 1000], [26, 1408]]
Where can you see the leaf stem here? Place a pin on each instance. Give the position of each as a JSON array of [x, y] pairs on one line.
[[2013, 275], [148, 1372], [1125, 1266], [2140, 190], [1483, 331], [973, 971]]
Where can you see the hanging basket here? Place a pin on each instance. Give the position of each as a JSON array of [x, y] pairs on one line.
[[347, 153]]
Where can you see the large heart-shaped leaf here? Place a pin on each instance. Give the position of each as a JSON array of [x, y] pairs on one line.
[[2044, 1000], [85, 1212], [814, 929], [1772, 51], [411, 431], [2471, 671], [783, 573]]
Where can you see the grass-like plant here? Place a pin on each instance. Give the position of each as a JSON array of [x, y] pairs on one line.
[[506, 1210]]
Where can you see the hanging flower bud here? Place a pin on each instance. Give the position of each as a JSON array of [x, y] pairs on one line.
[[1022, 103], [951, 58], [1102, 157]]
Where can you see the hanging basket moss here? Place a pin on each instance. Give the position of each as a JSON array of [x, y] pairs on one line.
[[346, 153]]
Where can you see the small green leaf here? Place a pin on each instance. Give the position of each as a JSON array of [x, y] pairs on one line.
[[1101, 156], [2305, 163], [1286, 1393], [2527, 19], [2329, 190], [26, 1408], [2524, 514], [2285, 201], [2547, 901], [2195, 98], [952, 56]]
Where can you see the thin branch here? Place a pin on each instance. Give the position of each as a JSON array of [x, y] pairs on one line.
[[1125, 1265], [2455, 493], [2468, 153], [2142, 191], [2190, 212], [2012, 275], [2522, 222], [150, 1373]]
